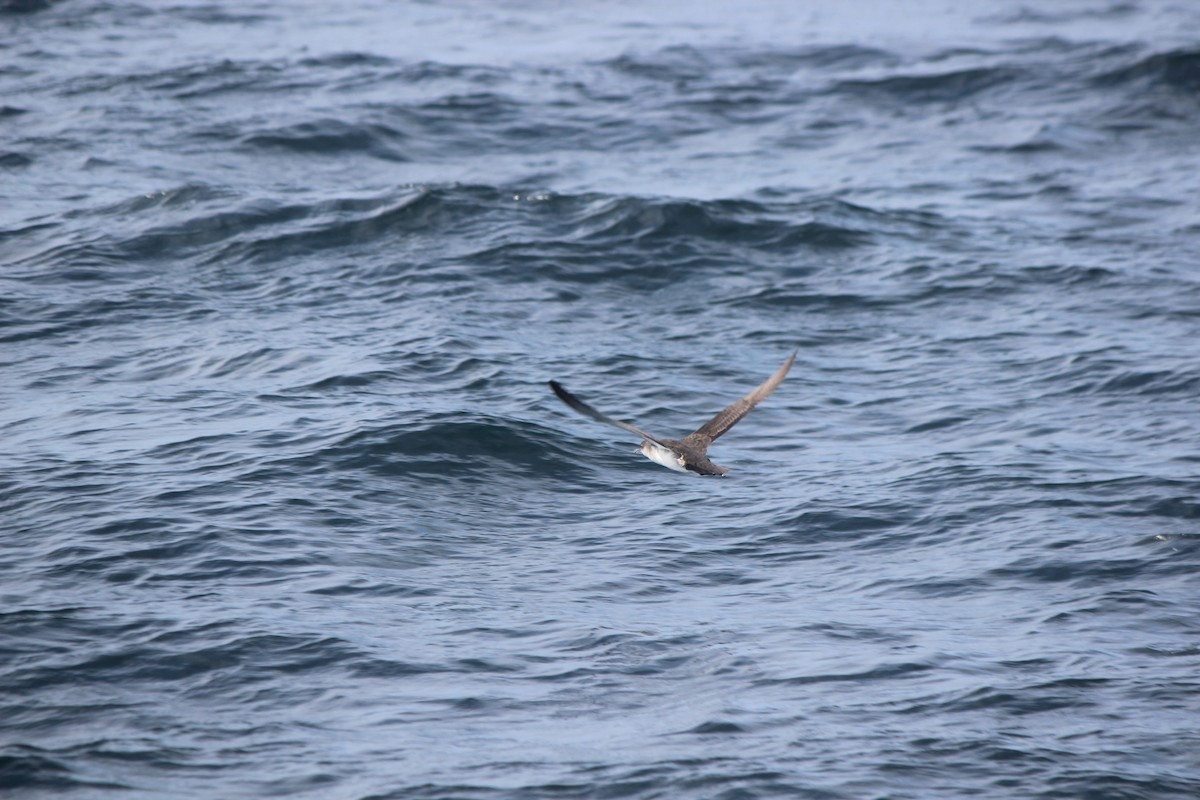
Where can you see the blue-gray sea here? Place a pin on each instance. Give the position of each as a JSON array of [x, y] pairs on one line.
[[287, 508]]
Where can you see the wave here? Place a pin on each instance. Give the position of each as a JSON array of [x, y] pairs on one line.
[[951, 86], [510, 227], [476, 449], [1175, 70], [333, 137], [30, 768]]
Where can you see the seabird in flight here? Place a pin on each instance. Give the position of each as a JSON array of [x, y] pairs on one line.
[[689, 454]]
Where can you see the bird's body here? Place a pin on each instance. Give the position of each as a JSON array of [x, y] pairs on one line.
[[689, 454], [662, 455]]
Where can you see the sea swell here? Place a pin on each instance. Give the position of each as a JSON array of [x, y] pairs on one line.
[[289, 505]]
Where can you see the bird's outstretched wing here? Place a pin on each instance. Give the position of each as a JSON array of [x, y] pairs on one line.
[[731, 415], [583, 408]]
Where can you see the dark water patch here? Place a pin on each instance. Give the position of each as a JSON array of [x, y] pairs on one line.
[[182, 82], [985, 749], [1137, 496], [354, 383], [1106, 378], [640, 654], [348, 60], [1183, 651], [425, 790], [215, 15], [29, 230], [1062, 139], [1068, 275], [1113, 604], [937, 424], [645, 226], [454, 112], [800, 299], [673, 64], [197, 452], [31, 770], [184, 196], [846, 521], [737, 222], [856, 633], [14, 160], [458, 448], [1056, 16], [447, 366], [57, 488], [255, 657], [1082, 572], [153, 241], [717, 728], [270, 232], [24, 6], [27, 768], [1181, 507], [932, 587], [1052, 696], [953, 86], [331, 137], [348, 223], [118, 569], [95, 260], [1108, 783], [597, 640], [821, 57], [390, 668], [501, 633], [811, 535], [885, 672], [262, 229], [472, 74], [45, 637], [260, 361], [1148, 383], [213, 79], [367, 589], [1176, 70]]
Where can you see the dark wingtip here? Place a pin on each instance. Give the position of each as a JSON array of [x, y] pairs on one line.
[[571, 400]]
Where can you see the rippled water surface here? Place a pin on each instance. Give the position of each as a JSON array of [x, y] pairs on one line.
[[288, 508]]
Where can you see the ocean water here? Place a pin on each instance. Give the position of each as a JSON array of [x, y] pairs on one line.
[[288, 509]]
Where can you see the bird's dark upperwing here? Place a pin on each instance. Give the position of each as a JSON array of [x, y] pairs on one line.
[[735, 411], [583, 408]]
